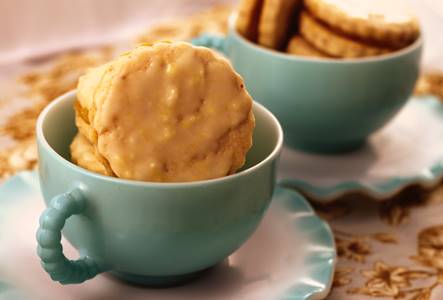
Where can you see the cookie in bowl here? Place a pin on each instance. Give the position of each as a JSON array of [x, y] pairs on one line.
[[166, 112], [330, 89], [340, 29], [299, 46], [334, 44], [389, 23]]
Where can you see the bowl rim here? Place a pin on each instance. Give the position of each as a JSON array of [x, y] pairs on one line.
[[68, 96], [415, 46]]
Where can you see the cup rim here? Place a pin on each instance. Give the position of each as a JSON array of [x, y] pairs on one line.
[[41, 139], [418, 43]]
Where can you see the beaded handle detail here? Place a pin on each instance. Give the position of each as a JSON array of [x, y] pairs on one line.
[[49, 248]]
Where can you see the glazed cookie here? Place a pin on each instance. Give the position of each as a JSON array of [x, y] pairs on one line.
[[275, 21], [168, 112], [388, 22], [248, 17], [84, 155], [334, 44], [299, 46]]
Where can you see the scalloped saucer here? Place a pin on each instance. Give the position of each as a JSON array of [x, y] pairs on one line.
[[290, 256], [408, 151]]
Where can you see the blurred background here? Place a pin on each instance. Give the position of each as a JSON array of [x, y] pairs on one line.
[[32, 28], [45, 45]]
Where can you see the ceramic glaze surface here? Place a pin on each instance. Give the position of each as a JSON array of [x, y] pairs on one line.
[[405, 152], [157, 230], [291, 255]]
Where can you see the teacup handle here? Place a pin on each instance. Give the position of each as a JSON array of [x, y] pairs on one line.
[[211, 41], [49, 248]]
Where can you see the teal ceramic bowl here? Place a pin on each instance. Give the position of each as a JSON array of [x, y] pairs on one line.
[[146, 233], [324, 105]]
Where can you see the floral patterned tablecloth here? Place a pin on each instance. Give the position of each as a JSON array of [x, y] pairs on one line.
[[391, 249]]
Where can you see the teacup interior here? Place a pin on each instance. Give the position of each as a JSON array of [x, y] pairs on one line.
[[59, 126], [265, 139], [59, 129]]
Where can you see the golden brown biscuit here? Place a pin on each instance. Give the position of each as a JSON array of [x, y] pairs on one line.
[[248, 17], [387, 22], [168, 112], [299, 46], [84, 155], [275, 21], [335, 44]]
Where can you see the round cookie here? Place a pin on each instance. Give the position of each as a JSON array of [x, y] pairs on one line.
[[84, 155], [248, 17], [275, 21], [387, 22], [299, 46], [170, 112], [334, 44]]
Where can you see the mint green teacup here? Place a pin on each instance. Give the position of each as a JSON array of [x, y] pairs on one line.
[[147, 233], [324, 105]]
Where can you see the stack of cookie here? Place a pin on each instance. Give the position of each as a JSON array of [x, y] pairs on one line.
[[267, 22], [328, 28], [167, 112]]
